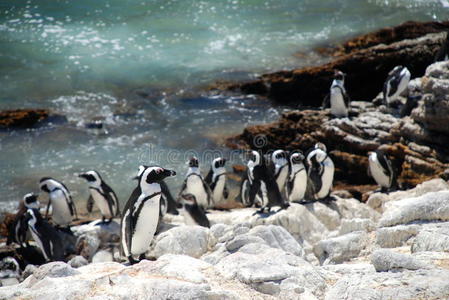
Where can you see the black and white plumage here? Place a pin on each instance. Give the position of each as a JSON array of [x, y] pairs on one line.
[[297, 180], [397, 81], [141, 213], [381, 169], [320, 171], [63, 208], [46, 236], [193, 213], [9, 268], [194, 184], [216, 179], [280, 161], [338, 99], [263, 183], [18, 229], [102, 195]]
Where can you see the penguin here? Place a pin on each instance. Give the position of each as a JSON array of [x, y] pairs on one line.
[[338, 99], [46, 236], [397, 81], [102, 194], [280, 161], [244, 191], [64, 209], [9, 268], [381, 169], [216, 179], [193, 213], [320, 172], [297, 180], [262, 182], [195, 184], [141, 213], [18, 229]]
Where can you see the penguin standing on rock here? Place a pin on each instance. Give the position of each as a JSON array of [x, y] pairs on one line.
[[194, 184], [280, 161], [46, 236], [264, 184], [320, 172], [17, 231], [64, 209], [338, 99], [297, 180], [141, 213], [397, 81], [381, 169], [102, 194], [193, 213], [216, 179]]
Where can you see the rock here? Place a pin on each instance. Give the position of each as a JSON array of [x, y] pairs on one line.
[[352, 208], [429, 207], [87, 245], [106, 232], [386, 260], [396, 236], [102, 256], [29, 270], [327, 214], [78, 261], [54, 269], [178, 240], [420, 284], [22, 118], [340, 249], [351, 225], [278, 237], [432, 237]]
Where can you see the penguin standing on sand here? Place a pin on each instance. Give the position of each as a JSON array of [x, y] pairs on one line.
[[141, 213], [338, 99], [297, 180], [280, 161], [102, 194], [46, 236], [17, 231], [263, 183], [381, 169], [193, 213], [397, 81], [194, 184], [320, 172], [216, 179], [61, 201]]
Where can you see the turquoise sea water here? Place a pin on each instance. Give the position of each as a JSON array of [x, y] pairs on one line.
[[139, 66]]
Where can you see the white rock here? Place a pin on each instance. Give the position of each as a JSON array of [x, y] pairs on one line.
[[396, 236], [77, 261], [102, 256], [388, 260], [351, 225], [278, 237], [432, 237], [54, 269], [327, 214]]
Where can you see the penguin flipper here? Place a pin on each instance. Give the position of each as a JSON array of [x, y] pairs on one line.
[[208, 192], [181, 192], [48, 208], [110, 195], [171, 202], [208, 178], [326, 101], [198, 214], [90, 204]]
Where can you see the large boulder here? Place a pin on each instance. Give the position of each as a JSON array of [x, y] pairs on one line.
[[386, 260], [432, 237]]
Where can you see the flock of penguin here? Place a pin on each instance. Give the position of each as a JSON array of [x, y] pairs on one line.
[[273, 179]]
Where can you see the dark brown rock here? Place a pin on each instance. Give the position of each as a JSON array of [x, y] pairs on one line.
[[22, 118]]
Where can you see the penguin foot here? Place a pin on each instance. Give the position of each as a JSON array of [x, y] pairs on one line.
[[131, 260], [142, 256]]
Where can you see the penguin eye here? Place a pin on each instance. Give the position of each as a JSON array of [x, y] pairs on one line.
[[158, 170]]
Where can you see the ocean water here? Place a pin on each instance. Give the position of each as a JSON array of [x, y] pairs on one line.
[[141, 66]]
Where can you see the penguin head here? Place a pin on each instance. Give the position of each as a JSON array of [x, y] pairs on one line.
[[339, 75], [218, 163], [321, 146], [48, 184], [296, 158], [193, 162], [155, 174], [30, 200], [254, 158], [92, 177], [279, 157], [188, 199], [33, 214], [9, 267]]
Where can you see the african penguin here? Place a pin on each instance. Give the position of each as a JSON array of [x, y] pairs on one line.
[[280, 161], [397, 81], [46, 236], [216, 179], [338, 99], [195, 184], [381, 169], [141, 213], [263, 183], [9, 268], [61, 201], [321, 171], [193, 213], [297, 180], [102, 194], [18, 229]]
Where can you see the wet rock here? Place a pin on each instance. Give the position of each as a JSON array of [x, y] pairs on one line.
[[340, 249], [22, 118], [386, 260], [429, 207]]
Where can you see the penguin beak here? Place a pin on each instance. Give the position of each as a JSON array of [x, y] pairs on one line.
[[169, 173], [135, 178], [82, 175]]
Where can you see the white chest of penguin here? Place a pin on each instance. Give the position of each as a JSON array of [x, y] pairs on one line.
[[219, 187], [101, 202], [146, 224], [195, 186], [338, 106], [378, 174], [61, 211]]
